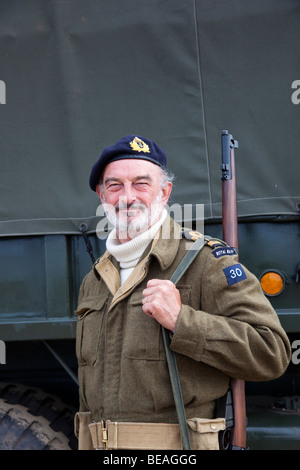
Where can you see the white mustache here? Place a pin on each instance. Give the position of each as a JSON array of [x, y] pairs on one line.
[[133, 206]]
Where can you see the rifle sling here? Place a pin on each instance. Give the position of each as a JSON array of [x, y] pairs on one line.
[[171, 360]]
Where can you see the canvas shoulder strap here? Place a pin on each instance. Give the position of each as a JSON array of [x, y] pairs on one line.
[[200, 241]]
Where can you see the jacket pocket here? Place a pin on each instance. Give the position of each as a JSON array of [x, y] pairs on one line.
[[143, 338], [89, 328], [142, 334]]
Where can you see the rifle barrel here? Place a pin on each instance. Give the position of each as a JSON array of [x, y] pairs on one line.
[[229, 203]]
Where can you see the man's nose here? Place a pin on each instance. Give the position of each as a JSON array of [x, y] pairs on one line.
[[128, 193]]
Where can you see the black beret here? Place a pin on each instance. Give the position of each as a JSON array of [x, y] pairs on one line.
[[130, 146]]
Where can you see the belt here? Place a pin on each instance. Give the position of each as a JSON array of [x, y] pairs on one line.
[[140, 436]]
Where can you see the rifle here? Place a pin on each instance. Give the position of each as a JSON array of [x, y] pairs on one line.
[[230, 236]]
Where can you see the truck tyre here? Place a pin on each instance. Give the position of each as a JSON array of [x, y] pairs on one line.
[[30, 419]]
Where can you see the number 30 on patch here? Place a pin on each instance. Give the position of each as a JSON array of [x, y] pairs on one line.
[[234, 274]]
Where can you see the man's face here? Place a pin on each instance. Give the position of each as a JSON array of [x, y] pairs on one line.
[[132, 195]]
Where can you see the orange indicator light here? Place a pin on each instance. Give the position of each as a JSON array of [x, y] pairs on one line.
[[272, 283]]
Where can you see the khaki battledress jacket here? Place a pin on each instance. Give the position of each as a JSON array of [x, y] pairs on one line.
[[226, 328]]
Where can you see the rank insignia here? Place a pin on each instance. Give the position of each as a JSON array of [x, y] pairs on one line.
[[139, 145], [192, 235]]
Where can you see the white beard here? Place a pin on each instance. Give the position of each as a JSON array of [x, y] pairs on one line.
[[141, 223]]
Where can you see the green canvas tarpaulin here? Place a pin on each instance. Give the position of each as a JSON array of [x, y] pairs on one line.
[[81, 74]]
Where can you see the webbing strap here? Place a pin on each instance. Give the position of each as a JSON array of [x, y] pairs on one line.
[[171, 360], [188, 259]]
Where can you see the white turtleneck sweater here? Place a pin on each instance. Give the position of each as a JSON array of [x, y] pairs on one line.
[[129, 253]]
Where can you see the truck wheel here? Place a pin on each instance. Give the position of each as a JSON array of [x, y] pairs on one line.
[[30, 419]]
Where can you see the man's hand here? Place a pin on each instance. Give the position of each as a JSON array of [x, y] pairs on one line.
[[162, 302]]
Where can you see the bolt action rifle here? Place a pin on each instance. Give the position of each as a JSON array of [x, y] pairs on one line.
[[230, 236]]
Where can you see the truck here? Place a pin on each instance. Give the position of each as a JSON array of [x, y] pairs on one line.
[[77, 76]]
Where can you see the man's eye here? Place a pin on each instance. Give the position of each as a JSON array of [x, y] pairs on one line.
[[113, 187]]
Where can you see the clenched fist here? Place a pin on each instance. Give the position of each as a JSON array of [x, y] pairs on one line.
[[162, 302]]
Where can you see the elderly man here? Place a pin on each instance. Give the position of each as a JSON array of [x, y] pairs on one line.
[[220, 327]]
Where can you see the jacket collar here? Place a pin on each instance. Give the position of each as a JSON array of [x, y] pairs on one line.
[[163, 247], [164, 250], [167, 245]]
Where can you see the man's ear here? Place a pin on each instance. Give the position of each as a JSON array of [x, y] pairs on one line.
[[99, 192], [166, 190]]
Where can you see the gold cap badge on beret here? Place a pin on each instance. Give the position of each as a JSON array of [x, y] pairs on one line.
[[129, 147], [139, 145]]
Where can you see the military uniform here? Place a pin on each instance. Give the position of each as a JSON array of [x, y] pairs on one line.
[[226, 328]]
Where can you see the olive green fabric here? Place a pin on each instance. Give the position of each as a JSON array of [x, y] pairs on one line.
[[80, 75], [123, 372]]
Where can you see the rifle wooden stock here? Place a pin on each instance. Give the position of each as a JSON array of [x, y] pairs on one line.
[[230, 236], [239, 434]]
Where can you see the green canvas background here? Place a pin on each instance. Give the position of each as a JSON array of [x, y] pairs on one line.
[[81, 74]]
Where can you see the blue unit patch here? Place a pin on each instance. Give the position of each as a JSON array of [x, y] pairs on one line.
[[234, 274], [224, 251]]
